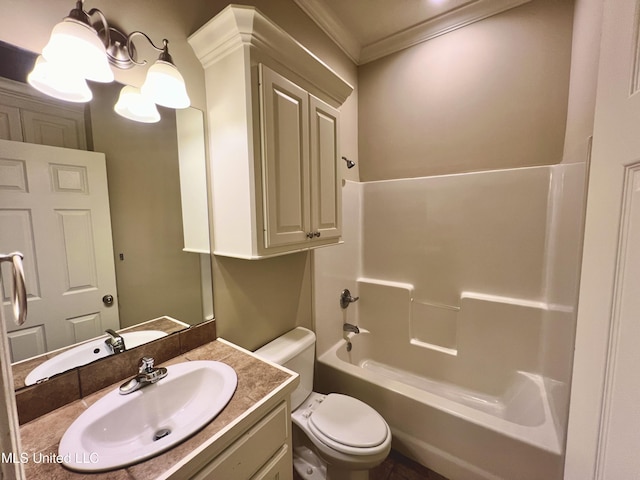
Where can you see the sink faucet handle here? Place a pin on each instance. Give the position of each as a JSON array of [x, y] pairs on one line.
[[147, 375], [146, 365]]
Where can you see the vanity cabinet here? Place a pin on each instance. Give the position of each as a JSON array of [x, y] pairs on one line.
[[263, 452], [273, 137]]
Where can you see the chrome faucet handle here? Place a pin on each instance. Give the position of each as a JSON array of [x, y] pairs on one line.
[[346, 298], [147, 375], [146, 365]]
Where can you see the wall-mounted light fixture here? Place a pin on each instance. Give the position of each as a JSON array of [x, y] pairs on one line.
[[77, 52]]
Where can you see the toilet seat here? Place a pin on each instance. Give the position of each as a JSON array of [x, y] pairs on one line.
[[348, 425]]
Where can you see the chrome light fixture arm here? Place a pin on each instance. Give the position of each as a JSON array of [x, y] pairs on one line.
[[105, 25], [79, 14], [164, 50]]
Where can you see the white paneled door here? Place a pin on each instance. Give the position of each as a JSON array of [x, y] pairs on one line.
[[604, 426], [54, 208]]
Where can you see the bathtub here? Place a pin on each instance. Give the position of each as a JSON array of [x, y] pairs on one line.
[[462, 433], [467, 284]]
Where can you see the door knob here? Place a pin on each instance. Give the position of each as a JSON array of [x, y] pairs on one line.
[[107, 300]]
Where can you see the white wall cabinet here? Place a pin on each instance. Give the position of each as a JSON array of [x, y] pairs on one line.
[[300, 176], [273, 122]]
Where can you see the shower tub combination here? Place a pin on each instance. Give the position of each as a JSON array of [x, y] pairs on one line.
[[474, 385], [459, 432]]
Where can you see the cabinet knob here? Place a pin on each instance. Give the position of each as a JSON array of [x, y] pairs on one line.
[[310, 235], [316, 234]]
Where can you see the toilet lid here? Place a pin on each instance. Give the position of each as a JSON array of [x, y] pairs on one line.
[[348, 421]]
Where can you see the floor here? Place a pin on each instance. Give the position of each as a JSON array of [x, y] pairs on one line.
[[398, 467]]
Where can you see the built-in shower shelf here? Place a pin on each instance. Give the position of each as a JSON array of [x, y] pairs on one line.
[[431, 346]]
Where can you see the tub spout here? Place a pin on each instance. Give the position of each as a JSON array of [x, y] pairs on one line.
[[347, 327]]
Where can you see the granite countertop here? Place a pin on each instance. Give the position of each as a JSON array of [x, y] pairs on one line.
[[256, 381]]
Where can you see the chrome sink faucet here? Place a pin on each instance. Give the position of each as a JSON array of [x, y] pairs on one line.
[[147, 375], [115, 341]]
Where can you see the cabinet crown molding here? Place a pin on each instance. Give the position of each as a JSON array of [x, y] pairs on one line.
[[239, 26]]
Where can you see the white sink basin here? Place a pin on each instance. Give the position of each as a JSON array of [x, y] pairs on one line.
[[87, 353], [120, 430]]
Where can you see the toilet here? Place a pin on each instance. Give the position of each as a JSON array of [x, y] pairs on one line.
[[335, 437]]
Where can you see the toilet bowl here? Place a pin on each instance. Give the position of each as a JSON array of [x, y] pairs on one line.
[[345, 432], [335, 436]]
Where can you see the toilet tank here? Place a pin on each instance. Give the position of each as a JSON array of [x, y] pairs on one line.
[[294, 350]]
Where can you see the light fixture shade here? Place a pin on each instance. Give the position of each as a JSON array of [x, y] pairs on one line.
[[165, 86], [135, 106], [77, 46], [58, 82]]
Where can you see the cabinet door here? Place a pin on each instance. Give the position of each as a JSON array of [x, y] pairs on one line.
[[261, 453], [53, 129], [285, 159], [10, 127], [278, 468], [325, 178]]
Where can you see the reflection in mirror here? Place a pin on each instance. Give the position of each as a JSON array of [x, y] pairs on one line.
[[140, 240], [88, 352]]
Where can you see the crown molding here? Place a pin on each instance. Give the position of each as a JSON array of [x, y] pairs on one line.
[[330, 24], [466, 14], [240, 26]]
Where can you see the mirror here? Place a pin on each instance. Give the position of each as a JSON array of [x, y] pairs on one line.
[[155, 277]]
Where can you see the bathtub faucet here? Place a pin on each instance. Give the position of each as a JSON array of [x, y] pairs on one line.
[[347, 327], [346, 298]]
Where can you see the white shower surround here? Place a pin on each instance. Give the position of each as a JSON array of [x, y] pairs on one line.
[[468, 284]]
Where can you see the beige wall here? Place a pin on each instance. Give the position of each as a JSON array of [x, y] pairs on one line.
[[253, 301], [490, 95]]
